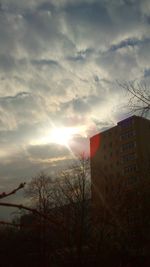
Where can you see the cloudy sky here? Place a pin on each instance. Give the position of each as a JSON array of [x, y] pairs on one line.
[[59, 63]]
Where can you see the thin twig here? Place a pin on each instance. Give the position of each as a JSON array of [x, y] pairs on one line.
[[34, 211], [4, 194]]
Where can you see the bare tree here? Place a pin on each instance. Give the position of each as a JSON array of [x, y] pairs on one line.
[[39, 192], [139, 96], [66, 201], [74, 193], [75, 182]]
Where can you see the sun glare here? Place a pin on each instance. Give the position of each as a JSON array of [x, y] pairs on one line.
[[62, 136]]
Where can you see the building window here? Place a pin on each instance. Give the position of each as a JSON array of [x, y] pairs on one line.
[[131, 168], [127, 135], [128, 146], [129, 157]]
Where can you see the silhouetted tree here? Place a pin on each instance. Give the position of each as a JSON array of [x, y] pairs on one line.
[[72, 195], [64, 200], [139, 96], [39, 191]]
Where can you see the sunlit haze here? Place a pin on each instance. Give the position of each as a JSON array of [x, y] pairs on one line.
[[59, 66], [60, 135]]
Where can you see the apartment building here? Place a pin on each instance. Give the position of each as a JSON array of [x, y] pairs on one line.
[[121, 151]]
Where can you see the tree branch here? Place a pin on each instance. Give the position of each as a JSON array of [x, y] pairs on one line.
[[4, 194], [10, 224], [34, 211]]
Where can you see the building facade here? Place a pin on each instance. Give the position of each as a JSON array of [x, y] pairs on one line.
[[121, 151]]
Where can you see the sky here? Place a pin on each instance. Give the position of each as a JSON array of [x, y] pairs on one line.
[[59, 66]]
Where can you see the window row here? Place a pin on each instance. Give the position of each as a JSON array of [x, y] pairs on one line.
[[127, 135], [129, 157], [131, 168], [128, 146]]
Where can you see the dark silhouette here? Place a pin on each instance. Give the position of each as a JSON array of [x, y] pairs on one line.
[[64, 230]]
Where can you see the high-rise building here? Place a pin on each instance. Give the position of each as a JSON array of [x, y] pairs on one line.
[[121, 151]]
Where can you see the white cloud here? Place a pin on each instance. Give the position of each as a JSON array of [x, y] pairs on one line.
[[58, 64]]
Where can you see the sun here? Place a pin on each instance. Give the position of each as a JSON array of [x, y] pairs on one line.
[[63, 135], [60, 135]]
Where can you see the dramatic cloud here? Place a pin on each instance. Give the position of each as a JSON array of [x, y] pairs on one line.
[[59, 62]]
